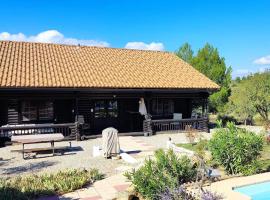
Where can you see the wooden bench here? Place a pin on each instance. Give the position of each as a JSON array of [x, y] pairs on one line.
[[33, 150], [40, 138]]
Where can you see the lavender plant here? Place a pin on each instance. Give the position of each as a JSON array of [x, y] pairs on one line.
[[178, 193], [207, 195], [167, 170]]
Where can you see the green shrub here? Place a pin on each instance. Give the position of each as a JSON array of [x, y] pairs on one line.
[[250, 169], [224, 119], [34, 186], [236, 149], [264, 165], [166, 170]]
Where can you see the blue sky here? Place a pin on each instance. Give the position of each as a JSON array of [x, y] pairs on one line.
[[239, 29]]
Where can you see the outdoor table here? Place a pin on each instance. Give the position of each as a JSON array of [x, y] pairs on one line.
[[40, 138]]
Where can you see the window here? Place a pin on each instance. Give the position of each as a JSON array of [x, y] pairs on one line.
[[100, 109], [162, 107], [168, 107], [112, 109], [199, 108], [29, 111], [106, 108], [46, 111], [157, 107], [37, 111]]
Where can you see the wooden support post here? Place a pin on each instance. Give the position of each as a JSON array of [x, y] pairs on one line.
[[147, 123], [206, 123], [205, 107], [77, 131], [76, 111], [147, 127], [77, 128]]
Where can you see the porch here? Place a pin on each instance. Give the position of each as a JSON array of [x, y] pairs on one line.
[[87, 113], [73, 131]]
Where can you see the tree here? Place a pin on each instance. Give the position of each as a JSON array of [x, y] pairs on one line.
[[218, 100], [237, 79], [258, 92], [238, 107], [250, 96], [209, 62], [185, 52]]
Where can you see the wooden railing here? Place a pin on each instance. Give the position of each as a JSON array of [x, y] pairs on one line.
[[69, 130], [200, 124]]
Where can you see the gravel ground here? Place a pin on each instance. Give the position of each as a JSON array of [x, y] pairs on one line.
[[80, 157]]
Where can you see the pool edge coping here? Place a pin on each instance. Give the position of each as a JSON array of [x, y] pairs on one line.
[[226, 187]]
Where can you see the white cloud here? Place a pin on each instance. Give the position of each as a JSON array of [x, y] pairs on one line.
[[263, 60], [156, 46], [51, 36], [14, 37], [54, 36], [241, 72]]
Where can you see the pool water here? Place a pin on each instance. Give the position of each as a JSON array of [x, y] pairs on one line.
[[259, 191]]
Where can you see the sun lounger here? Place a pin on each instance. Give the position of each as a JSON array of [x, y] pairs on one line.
[[212, 174]]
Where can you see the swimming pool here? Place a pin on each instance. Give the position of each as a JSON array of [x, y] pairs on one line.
[[258, 191]]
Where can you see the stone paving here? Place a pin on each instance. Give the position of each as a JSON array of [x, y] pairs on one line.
[[105, 189], [109, 187]]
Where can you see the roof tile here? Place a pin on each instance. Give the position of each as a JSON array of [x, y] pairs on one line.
[[40, 65]]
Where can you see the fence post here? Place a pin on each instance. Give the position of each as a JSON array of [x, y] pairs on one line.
[[206, 123], [77, 131], [147, 127]]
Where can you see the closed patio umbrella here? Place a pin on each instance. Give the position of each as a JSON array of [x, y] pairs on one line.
[[110, 143]]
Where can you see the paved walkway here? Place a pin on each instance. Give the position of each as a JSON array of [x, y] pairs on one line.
[[105, 189], [109, 187], [139, 148]]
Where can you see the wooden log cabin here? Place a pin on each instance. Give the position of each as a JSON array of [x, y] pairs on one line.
[[53, 86]]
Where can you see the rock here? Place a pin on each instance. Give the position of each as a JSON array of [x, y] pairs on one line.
[[129, 194]]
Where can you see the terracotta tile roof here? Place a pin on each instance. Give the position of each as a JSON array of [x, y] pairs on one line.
[[41, 65]]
